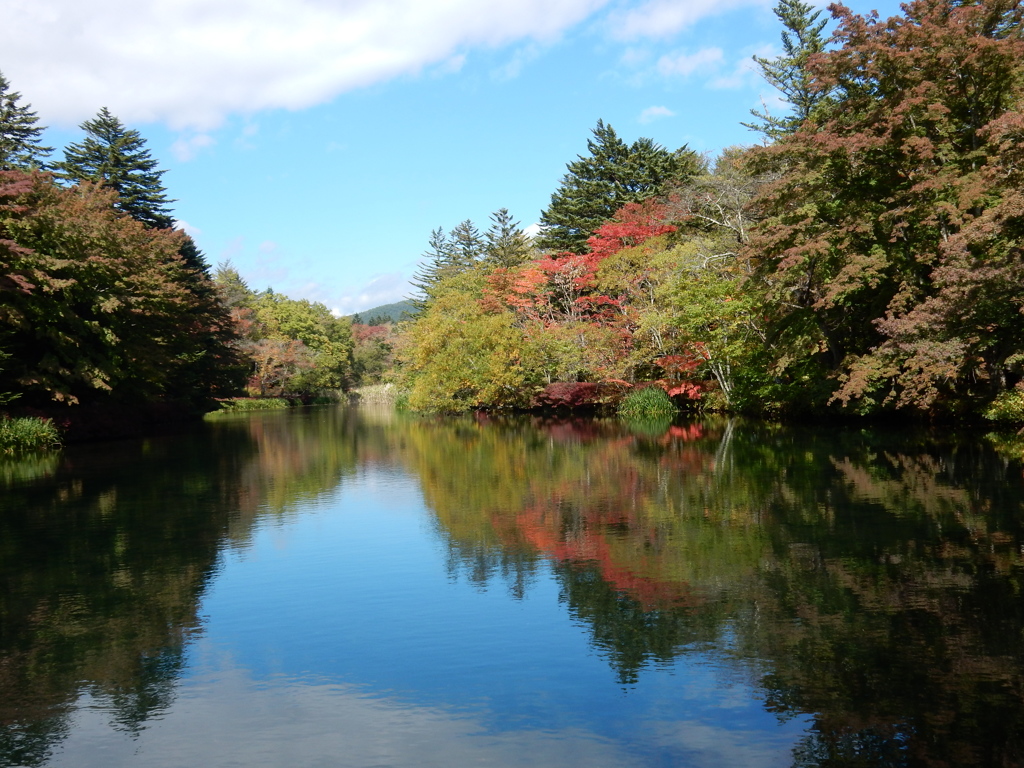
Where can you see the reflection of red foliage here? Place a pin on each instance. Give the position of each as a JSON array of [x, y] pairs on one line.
[[541, 527], [687, 433]]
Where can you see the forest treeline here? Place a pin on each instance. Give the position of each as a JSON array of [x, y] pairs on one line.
[[864, 258], [104, 304]]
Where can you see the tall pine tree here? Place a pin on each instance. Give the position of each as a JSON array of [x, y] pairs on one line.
[[789, 72], [116, 157], [438, 261], [507, 245], [21, 147], [610, 176]]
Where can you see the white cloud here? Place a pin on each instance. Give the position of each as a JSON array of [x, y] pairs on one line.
[[664, 18], [684, 64], [653, 113], [745, 73], [191, 63], [187, 228], [186, 149], [533, 230]]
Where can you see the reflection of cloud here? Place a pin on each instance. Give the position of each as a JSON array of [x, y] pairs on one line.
[[230, 720], [190, 63]]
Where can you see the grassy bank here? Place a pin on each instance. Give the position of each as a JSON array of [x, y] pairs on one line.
[[27, 433]]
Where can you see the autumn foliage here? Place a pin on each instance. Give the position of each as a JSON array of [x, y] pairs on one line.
[[869, 259]]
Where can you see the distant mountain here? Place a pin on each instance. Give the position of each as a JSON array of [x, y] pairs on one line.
[[400, 310]]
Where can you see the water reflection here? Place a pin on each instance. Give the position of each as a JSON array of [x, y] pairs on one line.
[[869, 580]]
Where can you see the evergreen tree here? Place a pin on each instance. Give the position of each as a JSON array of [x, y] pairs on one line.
[[116, 157], [21, 145], [438, 261], [467, 244], [612, 175], [507, 245], [789, 72]]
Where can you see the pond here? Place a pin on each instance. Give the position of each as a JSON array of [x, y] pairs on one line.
[[347, 586]]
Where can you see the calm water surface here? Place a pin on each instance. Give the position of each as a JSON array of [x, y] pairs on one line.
[[348, 587]]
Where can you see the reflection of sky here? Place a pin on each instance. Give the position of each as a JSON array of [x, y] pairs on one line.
[[339, 638]]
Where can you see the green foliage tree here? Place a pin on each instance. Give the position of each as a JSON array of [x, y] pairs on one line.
[[297, 346], [790, 73], [461, 356], [600, 183], [116, 157], [21, 145]]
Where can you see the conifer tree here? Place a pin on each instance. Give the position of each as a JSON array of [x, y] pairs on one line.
[[610, 176], [507, 244], [438, 259], [21, 146], [467, 244], [789, 72], [116, 157]]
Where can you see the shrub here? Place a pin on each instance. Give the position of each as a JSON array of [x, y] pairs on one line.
[[28, 434], [253, 404], [647, 403], [1008, 407], [567, 394]]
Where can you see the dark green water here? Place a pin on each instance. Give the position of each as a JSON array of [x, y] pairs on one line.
[[336, 587]]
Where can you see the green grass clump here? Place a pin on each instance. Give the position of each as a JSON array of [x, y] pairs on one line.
[[27, 434], [647, 403], [254, 404]]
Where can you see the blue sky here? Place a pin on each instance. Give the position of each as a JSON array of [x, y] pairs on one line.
[[316, 143]]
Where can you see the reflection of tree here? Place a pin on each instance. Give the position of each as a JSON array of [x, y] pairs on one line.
[[104, 560], [873, 580]]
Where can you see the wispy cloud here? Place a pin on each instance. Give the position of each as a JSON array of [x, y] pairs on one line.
[[187, 147], [745, 71], [682, 64], [664, 18], [654, 113]]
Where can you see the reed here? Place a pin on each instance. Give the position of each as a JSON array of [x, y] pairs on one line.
[[27, 433]]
